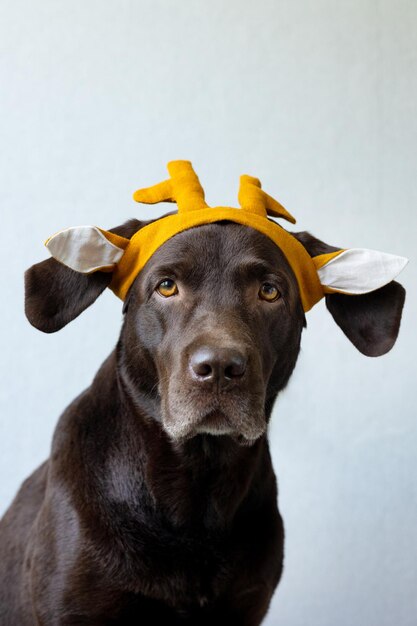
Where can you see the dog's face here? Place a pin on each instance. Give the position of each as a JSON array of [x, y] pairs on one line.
[[212, 325], [216, 316]]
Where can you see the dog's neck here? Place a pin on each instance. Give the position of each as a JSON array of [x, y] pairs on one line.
[[206, 480]]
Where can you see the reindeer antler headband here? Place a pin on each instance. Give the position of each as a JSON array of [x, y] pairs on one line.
[[89, 249]]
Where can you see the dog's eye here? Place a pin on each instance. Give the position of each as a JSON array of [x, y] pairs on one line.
[[269, 292], [167, 288]]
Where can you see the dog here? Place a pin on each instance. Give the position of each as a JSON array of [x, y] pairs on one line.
[[158, 504]]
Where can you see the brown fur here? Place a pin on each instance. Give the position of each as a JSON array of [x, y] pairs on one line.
[[140, 515]]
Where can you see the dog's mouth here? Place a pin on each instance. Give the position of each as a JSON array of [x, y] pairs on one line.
[[242, 420], [214, 422]]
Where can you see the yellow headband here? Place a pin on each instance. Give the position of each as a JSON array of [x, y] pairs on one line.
[[88, 249]]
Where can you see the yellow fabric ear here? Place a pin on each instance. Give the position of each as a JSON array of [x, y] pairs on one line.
[[322, 259], [87, 249], [357, 270]]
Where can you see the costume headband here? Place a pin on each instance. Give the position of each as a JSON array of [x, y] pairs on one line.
[[88, 249]]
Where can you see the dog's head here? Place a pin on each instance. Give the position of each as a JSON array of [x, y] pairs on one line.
[[212, 325]]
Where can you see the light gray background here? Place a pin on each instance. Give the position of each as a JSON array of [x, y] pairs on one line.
[[318, 99]]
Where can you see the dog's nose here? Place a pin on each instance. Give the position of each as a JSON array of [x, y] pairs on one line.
[[217, 365]]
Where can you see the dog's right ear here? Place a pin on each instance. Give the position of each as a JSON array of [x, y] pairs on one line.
[[56, 294]]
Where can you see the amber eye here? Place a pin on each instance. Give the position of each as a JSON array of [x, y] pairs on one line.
[[167, 288], [269, 293]]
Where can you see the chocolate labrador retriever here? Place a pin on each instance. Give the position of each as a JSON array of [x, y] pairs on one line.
[[158, 504]]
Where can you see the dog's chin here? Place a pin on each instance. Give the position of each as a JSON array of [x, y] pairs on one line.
[[214, 423]]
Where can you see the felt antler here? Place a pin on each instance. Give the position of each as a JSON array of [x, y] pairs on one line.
[[183, 187], [252, 198]]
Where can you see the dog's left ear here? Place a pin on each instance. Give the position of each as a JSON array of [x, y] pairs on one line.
[[371, 321], [55, 293]]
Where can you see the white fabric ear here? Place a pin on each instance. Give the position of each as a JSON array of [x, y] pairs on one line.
[[358, 270], [84, 249]]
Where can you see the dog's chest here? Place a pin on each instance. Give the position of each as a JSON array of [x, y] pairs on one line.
[[194, 569], [179, 567]]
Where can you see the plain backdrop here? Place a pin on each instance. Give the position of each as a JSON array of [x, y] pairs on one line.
[[318, 99]]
